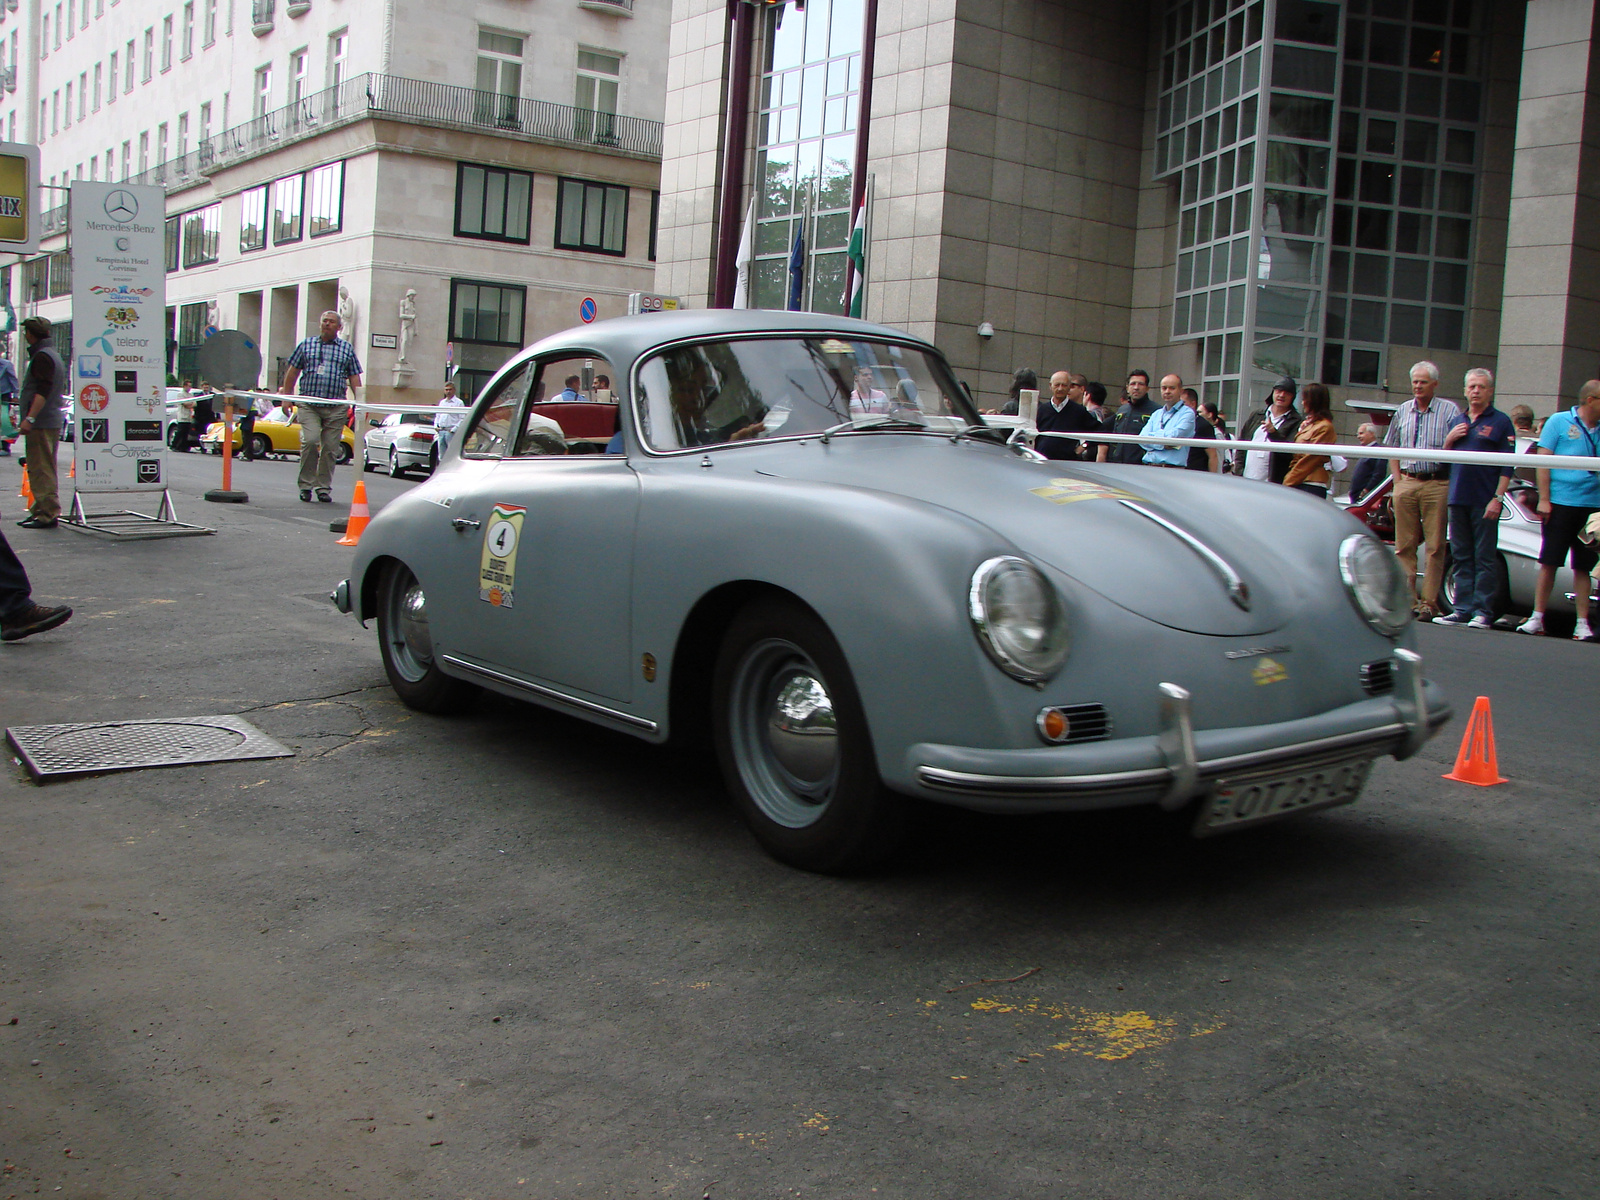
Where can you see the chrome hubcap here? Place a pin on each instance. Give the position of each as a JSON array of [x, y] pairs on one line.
[[414, 624], [784, 733]]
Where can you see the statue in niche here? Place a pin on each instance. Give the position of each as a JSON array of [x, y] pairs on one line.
[[346, 309], [408, 322]]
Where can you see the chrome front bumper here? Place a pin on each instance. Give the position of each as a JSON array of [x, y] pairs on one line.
[[1180, 762]]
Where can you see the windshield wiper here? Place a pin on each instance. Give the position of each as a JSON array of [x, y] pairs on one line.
[[885, 422]]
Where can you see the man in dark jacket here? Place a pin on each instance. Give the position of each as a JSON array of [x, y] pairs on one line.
[[1278, 422], [40, 402], [1369, 472], [1063, 412], [1131, 417]]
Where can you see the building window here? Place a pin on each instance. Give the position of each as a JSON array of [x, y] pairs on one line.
[[288, 195], [99, 80], [187, 49], [325, 204], [592, 216], [486, 312], [183, 138], [55, 111], [492, 203], [299, 61], [127, 160], [94, 168], [655, 221], [499, 77], [72, 18], [67, 116], [172, 242], [166, 43], [210, 29], [61, 273], [144, 153], [57, 42], [263, 91], [253, 219], [202, 235], [598, 78], [127, 68], [338, 49], [809, 97], [83, 94], [149, 55], [205, 124], [161, 143], [44, 36]]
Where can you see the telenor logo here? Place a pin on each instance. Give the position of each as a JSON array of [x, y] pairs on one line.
[[121, 206]]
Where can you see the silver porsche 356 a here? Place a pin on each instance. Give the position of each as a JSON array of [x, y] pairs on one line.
[[795, 533]]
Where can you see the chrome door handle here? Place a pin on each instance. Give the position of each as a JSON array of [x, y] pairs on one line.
[[462, 524]]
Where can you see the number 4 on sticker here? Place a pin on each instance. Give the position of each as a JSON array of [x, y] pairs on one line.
[[497, 568]]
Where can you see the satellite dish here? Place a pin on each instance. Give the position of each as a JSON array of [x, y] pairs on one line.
[[229, 358]]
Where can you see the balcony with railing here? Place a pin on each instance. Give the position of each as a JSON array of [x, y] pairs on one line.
[[394, 98], [261, 16]]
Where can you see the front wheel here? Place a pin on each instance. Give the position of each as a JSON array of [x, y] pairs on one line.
[[793, 744], [344, 454], [260, 446], [406, 642]]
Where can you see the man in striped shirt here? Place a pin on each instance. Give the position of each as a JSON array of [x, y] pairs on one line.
[[1422, 488], [326, 368]]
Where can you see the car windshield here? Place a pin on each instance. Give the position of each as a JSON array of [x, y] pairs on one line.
[[711, 393]]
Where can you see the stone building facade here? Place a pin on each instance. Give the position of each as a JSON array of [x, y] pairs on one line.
[[1229, 189], [499, 159]]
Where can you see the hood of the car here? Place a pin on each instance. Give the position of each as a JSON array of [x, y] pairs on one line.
[[1161, 543]]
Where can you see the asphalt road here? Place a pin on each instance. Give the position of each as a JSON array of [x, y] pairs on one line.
[[509, 955]]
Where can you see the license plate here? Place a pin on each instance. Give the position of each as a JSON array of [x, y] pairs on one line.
[[1249, 800]]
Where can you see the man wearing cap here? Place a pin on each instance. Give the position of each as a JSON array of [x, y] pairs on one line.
[[1278, 422], [40, 426], [1422, 488]]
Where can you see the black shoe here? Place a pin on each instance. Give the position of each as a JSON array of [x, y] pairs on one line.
[[305, 494], [37, 523], [36, 618], [324, 497]]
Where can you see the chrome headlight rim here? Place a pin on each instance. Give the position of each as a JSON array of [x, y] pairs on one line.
[[1390, 622], [1032, 669]]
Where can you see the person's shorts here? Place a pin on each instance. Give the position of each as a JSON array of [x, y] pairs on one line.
[[1561, 530]]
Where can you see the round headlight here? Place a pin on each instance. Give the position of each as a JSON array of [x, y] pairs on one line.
[[1378, 588], [1018, 618]]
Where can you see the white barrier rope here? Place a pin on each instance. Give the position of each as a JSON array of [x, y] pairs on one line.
[[1547, 462]]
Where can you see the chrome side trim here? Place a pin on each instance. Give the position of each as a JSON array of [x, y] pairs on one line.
[[943, 779], [1410, 703], [548, 694], [1177, 746], [1237, 591]]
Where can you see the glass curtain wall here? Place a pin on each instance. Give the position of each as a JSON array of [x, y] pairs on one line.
[[1410, 148], [805, 138], [1326, 154]]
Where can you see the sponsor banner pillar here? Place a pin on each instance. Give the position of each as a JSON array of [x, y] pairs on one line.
[[119, 302]]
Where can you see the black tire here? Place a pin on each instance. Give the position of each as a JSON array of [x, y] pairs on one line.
[[813, 797], [260, 445], [395, 469], [344, 454], [407, 647], [366, 463]]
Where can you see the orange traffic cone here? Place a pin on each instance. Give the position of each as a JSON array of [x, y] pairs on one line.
[[1475, 761], [27, 488], [72, 471], [359, 516]]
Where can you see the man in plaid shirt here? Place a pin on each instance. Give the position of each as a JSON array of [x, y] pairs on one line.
[[326, 368]]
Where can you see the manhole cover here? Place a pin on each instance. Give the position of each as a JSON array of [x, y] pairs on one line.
[[55, 751]]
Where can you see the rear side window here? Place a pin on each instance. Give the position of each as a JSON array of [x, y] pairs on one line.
[[558, 405]]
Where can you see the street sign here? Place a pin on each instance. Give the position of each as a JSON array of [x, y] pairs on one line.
[[19, 197], [649, 302], [119, 288], [587, 310], [229, 358]]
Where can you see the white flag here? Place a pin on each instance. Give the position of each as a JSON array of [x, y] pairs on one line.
[[745, 259]]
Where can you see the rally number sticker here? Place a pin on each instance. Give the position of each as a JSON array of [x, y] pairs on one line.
[[497, 571]]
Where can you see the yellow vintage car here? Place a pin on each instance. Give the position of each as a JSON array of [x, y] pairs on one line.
[[273, 434]]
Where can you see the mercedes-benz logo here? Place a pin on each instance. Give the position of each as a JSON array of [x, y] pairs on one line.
[[120, 206]]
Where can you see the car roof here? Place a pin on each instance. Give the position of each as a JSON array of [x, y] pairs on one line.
[[623, 339]]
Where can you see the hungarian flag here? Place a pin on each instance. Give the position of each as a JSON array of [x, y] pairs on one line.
[[858, 260], [797, 266]]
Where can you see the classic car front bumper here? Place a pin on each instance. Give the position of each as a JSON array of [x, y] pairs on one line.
[[1180, 762]]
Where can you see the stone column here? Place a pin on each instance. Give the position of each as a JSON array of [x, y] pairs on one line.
[[1550, 322]]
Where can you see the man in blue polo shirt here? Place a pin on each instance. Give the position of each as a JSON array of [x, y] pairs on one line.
[[1566, 500], [1476, 497]]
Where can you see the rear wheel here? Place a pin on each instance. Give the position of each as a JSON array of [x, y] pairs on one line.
[[395, 469], [344, 454], [406, 643], [793, 744], [260, 446]]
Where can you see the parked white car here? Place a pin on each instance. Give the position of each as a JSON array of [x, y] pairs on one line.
[[402, 443]]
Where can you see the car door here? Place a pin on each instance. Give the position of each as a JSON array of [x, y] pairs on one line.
[[542, 556]]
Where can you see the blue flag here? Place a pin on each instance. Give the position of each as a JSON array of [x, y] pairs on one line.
[[797, 267]]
